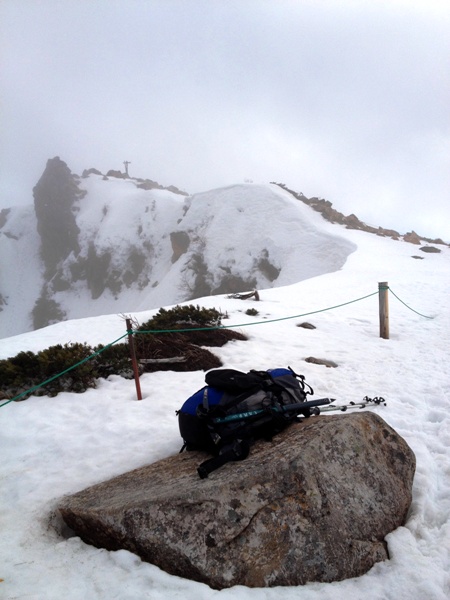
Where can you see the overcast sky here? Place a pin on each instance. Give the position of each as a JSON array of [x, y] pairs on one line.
[[348, 100]]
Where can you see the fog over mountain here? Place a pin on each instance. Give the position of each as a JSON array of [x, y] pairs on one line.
[[107, 243], [347, 100]]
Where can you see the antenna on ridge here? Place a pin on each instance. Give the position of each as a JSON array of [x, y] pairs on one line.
[[126, 163]]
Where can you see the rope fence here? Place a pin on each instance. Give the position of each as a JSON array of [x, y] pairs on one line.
[[313, 312], [404, 303], [382, 292]]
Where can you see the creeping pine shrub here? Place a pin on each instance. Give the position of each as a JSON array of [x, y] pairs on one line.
[[75, 367], [27, 370], [113, 360], [183, 317], [204, 325], [12, 370], [57, 359]]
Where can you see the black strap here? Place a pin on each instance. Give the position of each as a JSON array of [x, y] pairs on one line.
[[238, 450]]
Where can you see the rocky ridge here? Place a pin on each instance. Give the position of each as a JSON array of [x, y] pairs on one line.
[[325, 208]]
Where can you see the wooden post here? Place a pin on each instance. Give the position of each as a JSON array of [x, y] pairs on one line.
[[134, 360], [383, 302]]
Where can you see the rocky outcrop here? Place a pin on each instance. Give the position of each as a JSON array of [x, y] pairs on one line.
[[175, 190], [412, 238], [4, 216], [315, 504], [54, 197], [148, 184], [46, 311], [268, 269], [325, 208], [91, 171], [180, 241], [117, 174]]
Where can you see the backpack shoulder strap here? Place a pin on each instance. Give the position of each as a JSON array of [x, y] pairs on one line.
[[237, 450]]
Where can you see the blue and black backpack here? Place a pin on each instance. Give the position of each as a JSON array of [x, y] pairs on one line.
[[234, 409]]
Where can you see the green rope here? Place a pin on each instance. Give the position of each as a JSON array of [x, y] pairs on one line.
[[36, 387], [400, 300], [313, 312], [152, 331]]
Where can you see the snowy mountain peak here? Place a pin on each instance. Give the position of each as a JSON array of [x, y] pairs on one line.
[[107, 244]]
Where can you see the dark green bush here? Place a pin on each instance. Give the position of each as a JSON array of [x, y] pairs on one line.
[[27, 370], [113, 360], [57, 359], [12, 369], [204, 325], [183, 317]]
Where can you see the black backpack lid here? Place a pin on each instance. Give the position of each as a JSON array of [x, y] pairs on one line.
[[231, 380]]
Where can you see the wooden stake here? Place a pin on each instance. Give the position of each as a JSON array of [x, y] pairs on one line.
[[383, 301], [133, 359]]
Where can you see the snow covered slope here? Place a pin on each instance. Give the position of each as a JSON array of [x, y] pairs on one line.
[[21, 270]]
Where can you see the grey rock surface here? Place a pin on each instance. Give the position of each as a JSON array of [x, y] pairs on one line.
[[314, 504]]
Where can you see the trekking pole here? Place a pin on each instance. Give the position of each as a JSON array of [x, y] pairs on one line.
[[365, 402], [299, 407]]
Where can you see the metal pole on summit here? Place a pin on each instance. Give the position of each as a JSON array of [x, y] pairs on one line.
[[383, 302]]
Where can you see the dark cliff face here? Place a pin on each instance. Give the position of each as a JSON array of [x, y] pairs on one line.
[[54, 195]]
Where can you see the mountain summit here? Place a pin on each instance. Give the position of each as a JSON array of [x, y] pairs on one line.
[[100, 244]]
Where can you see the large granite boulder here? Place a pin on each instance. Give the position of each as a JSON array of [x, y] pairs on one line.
[[315, 504]]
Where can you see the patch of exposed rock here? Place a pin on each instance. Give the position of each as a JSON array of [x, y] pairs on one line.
[[117, 174], [430, 249], [306, 325], [412, 238], [321, 361], [88, 172], [325, 208], [315, 504], [180, 241]]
